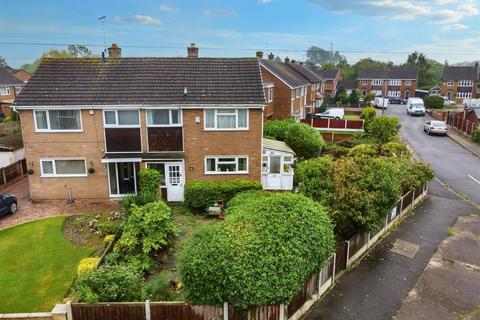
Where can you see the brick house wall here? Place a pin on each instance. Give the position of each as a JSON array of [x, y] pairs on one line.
[[199, 143], [10, 96], [454, 88], [385, 88], [282, 97]]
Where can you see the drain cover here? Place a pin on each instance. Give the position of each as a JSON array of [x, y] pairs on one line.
[[405, 248]]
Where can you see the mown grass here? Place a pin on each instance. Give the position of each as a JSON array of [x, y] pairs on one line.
[[37, 265]]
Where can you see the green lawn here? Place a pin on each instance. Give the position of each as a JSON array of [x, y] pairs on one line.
[[351, 117], [37, 265]]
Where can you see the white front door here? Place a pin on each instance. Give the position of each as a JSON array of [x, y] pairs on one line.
[[274, 177], [174, 181]]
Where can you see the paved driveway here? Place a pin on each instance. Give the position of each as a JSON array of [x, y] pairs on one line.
[[28, 211]]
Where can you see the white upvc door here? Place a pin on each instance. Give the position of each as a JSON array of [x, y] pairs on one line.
[[174, 181], [274, 177]]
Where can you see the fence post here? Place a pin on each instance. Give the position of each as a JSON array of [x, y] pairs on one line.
[[413, 198], [348, 253], [4, 176], [225, 311], [345, 127], [386, 221], [311, 122], [328, 123], [334, 266], [69, 311], [281, 315], [148, 313], [401, 206]]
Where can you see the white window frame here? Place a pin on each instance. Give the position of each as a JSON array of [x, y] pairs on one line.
[[297, 93], [408, 82], [394, 82], [55, 175], [377, 82], [47, 112], [224, 172], [364, 82], [269, 94], [7, 90], [179, 124], [116, 125], [225, 129], [465, 83], [449, 83]]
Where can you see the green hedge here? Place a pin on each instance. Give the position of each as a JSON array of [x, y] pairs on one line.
[[277, 129], [433, 102], [476, 135], [149, 181], [200, 194]]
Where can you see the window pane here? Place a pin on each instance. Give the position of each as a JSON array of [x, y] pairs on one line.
[[110, 117], [211, 165], [226, 159], [64, 119], [158, 117], [242, 118], [274, 164], [70, 166], [160, 167], [226, 122], [210, 119], [175, 117], [128, 117], [41, 119], [18, 89], [112, 170], [226, 167], [3, 91], [242, 164], [47, 167]]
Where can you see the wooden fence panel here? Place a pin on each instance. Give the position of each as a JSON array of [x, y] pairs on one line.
[[108, 311], [355, 124], [341, 257], [337, 124], [407, 200], [356, 243], [309, 288]]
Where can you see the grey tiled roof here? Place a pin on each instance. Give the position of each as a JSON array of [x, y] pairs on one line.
[[348, 84], [143, 81], [388, 73], [285, 73], [460, 73], [7, 78], [327, 74], [306, 72]]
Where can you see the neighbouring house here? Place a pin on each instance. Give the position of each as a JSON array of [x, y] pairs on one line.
[[12, 158], [461, 82], [90, 124], [277, 165], [388, 82], [290, 89], [435, 90], [349, 85], [330, 80], [315, 87], [10, 85]]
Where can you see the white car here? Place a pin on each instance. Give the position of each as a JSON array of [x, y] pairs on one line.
[[381, 102], [448, 102], [435, 127], [333, 113]]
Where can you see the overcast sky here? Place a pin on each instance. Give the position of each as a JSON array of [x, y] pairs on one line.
[[381, 29]]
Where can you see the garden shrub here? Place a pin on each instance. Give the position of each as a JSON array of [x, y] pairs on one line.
[[411, 175], [356, 139], [434, 102], [335, 150], [86, 265], [141, 199], [110, 283], [108, 239], [149, 181], [354, 97], [148, 228], [277, 129], [363, 150], [306, 141], [249, 195], [395, 149], [314, 179], [384, 129], [261, 254], [476, 135], [202, 193], [158, 288], [367, 115]]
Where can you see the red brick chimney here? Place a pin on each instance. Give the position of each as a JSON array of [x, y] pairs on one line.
[[114, 51], [259, 54], [271, 56], [192, 51], [287, 60]]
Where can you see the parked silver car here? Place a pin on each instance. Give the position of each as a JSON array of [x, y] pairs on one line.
[[435, 127]]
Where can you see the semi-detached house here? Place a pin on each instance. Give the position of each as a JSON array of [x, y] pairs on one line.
[[461, 82], [90, 124], [392, 82]]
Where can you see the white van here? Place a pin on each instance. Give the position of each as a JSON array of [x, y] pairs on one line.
[[381, 102], [333, 113], [415, 106]]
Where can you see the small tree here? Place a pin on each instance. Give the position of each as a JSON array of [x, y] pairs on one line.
[[325, 104], [277, 129], [384, 128], [314, 179], [306, 141], [341, 92], [355, 96], [149, 181], [367, 115]]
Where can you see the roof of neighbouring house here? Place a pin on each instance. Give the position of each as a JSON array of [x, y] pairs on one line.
[[11, 142], [7, 78], [285, 73], [134, 81], [460, 73], [389, 73], [305, 72], [348, 84], [327, 74], [277, 145]]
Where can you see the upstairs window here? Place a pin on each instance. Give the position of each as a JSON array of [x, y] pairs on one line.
[[407, 82], [364, 82], [121, 118], [465, 83], [269, 94], [377, 82], [164, 118], [226, 119], [450, 83], [4, 91], [58, 120], [395, 82]]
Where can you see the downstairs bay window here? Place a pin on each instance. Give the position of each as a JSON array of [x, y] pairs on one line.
[[226, 165], [63, 167]]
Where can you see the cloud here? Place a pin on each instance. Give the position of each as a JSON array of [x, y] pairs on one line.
[[138, 19], [219, 13], [166, 8], [264, 1], [435, 11], [455, 26]]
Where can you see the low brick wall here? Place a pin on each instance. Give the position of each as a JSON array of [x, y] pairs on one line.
[[439, 115]]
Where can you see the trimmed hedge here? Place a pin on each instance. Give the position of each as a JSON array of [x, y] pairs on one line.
[[433, 102], [306, 141], [277, 129], [200, 194], [476, 135]]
